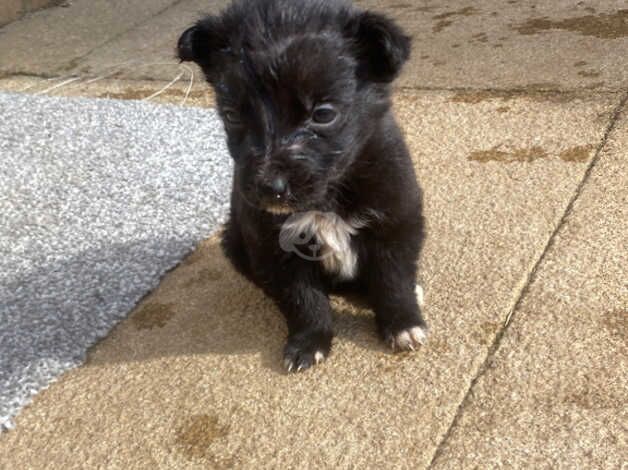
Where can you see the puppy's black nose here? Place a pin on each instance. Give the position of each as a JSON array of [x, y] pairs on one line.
[[278, 187]]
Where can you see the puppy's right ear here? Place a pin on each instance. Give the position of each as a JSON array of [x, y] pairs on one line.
[[381, 46], [200, 42]]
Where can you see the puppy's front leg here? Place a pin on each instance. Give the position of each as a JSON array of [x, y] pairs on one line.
[[305, 304], [393, 297]]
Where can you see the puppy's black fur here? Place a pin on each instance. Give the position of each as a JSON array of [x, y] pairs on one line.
[[303, 88]]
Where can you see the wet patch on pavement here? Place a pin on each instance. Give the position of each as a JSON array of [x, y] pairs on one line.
[[603, 26], [153, 315]]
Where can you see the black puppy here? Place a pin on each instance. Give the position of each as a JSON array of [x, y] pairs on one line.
[[324, 193]]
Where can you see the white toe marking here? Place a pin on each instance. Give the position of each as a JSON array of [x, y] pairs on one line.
[[318, 357], [419, 295], [403, 339], [419, 334], [410, 338]]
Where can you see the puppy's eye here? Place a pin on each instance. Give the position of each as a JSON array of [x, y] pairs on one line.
[[231, 117], [324, 115]]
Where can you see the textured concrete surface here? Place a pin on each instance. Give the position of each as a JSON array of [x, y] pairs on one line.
[[562, 44], [192, 378], [50, 42], [11, 10], [524, 44], [148, 52], [555, 395], [522, 92]]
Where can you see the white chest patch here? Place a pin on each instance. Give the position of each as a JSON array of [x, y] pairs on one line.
[[324, 237]]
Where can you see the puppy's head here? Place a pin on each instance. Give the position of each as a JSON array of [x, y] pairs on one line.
[[300, 86]]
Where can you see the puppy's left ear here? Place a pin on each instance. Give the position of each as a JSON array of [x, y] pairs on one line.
[[381, 46]]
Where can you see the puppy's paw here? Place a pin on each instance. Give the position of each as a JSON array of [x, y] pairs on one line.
[[304, 350], [408, 339]]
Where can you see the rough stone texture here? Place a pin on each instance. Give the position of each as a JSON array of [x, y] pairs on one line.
[[486, 44], [555, 394], [148, 52], [192, 378], [526, 44], [11, 10], [50, 42]]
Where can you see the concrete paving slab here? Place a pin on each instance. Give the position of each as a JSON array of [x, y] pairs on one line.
[[181, 93], [148, 51], [486, 44], [49, 42], [555, 394], [10, 10], [192, 379], [516, 44]]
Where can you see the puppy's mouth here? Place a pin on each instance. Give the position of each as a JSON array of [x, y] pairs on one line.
[[278, 208]]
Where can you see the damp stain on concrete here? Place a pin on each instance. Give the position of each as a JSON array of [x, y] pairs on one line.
[[590, 393], [542, 92], [616, 324], [486, 333], [209, 274], [391, 361], [444, 19], [442, 24], [195, 437], [152, 315], [589, 73], [480, 37], [400, 6], [578, 153], [527, 155], [603, 25], [594, 85]]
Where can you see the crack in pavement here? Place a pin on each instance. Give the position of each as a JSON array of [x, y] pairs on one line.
[[530, 278]]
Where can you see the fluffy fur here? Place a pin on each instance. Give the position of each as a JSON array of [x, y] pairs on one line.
[[324, 193]]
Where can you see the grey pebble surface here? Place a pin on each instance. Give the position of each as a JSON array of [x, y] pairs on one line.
[[98, 199]]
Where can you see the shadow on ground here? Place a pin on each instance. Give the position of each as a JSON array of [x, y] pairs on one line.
[[205, 306]]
